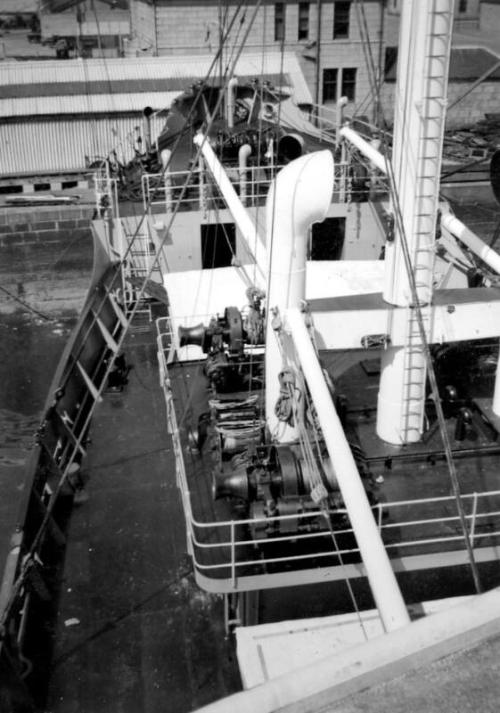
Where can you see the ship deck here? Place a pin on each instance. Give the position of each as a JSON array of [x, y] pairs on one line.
[[411, 486], [134, 633]]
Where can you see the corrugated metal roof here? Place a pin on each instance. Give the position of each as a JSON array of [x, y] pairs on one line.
[[65, 144], [24, 80]]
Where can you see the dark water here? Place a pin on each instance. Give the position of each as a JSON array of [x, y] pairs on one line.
[[51, 277], [29, 352]]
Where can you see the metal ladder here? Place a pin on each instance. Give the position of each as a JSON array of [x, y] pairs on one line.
[[433, 114], [139, 265]]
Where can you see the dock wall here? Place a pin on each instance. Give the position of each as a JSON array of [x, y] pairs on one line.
[[43, 223], [46, 258]]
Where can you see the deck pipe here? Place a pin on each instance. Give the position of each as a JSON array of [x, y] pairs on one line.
[[147, 113], [243, 155], [231, 101], [246, 226], [165, 161], [299, 196], [383, 583]]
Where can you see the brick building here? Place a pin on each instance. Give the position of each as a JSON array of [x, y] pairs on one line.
[[335, 43], [333, 67]]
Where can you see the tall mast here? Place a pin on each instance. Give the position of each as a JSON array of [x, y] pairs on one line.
[[420, 110]]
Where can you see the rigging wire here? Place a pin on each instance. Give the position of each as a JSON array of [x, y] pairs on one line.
[[154, 193], [314, 478], [375, 82], [30, 555], [28, 306], [417, 306], [273, 212]]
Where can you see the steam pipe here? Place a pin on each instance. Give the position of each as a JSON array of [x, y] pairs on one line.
[[299, 196], [254, 242], [231, 87], [165, 160], [382, 579], [243, 154], [147, 113]]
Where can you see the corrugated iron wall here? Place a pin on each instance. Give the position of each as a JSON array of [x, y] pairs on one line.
[[64, 144]]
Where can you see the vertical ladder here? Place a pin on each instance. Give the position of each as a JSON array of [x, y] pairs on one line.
[[140, 264], [432, 111]]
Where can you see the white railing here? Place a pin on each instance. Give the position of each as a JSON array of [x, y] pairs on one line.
[[228, 549], [197, 191]]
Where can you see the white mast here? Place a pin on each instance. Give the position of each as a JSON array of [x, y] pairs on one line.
[[420, 108]]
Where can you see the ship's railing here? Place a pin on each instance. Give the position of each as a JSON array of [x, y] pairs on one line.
[[225, 551], [105, 190], [196, 190], [228, 556]]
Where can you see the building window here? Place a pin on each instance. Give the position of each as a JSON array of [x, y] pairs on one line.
[[303, 33], [279, 20], [349, 83], [330, 85], [341, 13], [218, 245], [462, 6], [391, 59]]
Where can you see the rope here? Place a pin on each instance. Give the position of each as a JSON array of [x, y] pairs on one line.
[[318, 490], [31, 553]]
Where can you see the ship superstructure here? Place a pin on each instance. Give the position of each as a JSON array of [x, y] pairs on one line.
[[260, 486], [328, 362]]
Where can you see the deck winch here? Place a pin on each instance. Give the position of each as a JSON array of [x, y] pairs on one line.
[[224, 341], [272, 481]]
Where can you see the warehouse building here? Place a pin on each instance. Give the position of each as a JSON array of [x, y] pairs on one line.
[[61, 116]]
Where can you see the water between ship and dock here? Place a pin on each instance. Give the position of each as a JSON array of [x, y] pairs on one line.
[[161, 647]]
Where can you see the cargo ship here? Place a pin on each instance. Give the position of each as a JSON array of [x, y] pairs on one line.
[[298, 336]]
